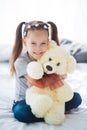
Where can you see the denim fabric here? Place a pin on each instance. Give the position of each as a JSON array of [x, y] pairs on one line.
[[74, 102], [22, 111]]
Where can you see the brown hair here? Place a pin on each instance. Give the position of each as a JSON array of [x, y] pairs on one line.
[[32, 25]]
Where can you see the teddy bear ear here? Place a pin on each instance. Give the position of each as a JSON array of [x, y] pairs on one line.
[[71, 64], [52, 44]]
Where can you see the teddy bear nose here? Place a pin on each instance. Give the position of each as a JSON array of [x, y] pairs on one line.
[[49, 67]]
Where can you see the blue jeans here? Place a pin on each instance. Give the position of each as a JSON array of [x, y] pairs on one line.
[[22, 111]]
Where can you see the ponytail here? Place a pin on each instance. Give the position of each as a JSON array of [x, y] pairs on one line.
[[54, 32], [17, 48]]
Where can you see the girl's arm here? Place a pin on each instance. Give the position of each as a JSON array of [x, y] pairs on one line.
[[39, 82], [29, 84]]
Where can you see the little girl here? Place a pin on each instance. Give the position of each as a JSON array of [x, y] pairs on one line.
[[35, 37]]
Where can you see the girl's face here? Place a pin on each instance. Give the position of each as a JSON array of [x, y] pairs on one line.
[[36, 42]]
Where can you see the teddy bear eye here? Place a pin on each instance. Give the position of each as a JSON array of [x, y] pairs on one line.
[[50, 59], [58, 64]]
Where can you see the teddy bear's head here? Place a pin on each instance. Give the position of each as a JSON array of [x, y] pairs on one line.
[[57, 60]]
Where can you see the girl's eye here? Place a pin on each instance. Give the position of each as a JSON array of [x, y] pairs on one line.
[[33, 43], [43, 43], [58, 64], [50, 59]]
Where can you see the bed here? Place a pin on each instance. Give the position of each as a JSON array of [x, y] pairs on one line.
[[77, 120]]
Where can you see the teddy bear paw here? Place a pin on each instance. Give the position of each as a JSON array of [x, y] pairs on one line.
[[55, 115], [54, 119]]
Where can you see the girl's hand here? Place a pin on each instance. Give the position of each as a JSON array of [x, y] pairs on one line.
[[62, 77], [29, 84], [42, 82]]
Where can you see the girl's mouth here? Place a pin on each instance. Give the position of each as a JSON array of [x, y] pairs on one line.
[[40, 53]]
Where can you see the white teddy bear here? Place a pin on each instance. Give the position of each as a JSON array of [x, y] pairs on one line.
[[45, 102]]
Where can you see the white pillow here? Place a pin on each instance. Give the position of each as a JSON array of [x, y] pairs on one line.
[[5, 52]]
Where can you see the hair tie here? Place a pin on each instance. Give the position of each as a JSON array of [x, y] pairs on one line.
[[50, 38], [32, 26]]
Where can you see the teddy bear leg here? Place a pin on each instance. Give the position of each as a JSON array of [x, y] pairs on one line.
[[41, 105], [56, 115]]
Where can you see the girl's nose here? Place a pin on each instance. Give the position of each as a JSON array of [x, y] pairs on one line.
[[38, 47]]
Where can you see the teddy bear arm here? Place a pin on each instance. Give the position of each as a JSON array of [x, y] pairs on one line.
[[64, 93], [35, 70], [32, 94]]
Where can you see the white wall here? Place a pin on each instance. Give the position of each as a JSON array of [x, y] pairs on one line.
[[69, 15]]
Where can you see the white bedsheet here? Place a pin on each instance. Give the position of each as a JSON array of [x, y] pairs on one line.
[[75, 121]]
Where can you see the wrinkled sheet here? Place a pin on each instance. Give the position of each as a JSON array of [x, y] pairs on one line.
[[77, 120]]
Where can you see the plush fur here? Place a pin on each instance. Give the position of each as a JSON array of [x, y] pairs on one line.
[[45, 101]]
